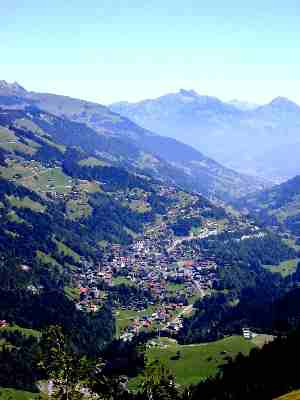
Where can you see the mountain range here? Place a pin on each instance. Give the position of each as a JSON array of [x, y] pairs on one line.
[[122, 142], [257, 140]]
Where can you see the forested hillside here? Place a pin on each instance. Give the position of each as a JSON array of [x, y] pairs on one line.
[[278, 206], [246, 292]]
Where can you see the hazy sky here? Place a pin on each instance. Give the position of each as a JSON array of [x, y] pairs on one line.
[[106, 50]]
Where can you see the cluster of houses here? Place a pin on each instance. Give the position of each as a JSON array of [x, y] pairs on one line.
[[71, 191], [3, 323], [157, 263], [91, 297], [165, 266], [165, 319], [171, 274]]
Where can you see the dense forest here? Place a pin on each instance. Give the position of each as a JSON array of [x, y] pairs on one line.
[[266, 308], [247, 294], [241, 261]]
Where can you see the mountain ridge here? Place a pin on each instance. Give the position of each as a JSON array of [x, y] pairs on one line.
[[182, 165], [236, 137]]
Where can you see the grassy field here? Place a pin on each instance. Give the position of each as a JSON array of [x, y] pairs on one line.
[[173, 287], [118, 280], [72, 293], [24, 331], [92, 162], [77, 209], [139, 206], [52, 179], [285, 268], [295, 395], [197, 361], [26, 202], [124, 317], [15, 171], [89, 187], [10, 142], [13, 394], [37, 178], [46, 259], [65, 250]]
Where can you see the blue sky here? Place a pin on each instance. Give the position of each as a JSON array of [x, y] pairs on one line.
[[105, 50]]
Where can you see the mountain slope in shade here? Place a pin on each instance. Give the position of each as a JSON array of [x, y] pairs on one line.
[[121, 141], [243, 138]]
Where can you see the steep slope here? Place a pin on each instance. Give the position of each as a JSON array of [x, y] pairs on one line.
[[279, 205], [59, 202], [120, 140], [244, 138]]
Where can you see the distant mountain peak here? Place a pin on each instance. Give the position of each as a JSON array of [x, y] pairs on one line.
[[189, 93], [14, 88], [191, 96], [283, 102]]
